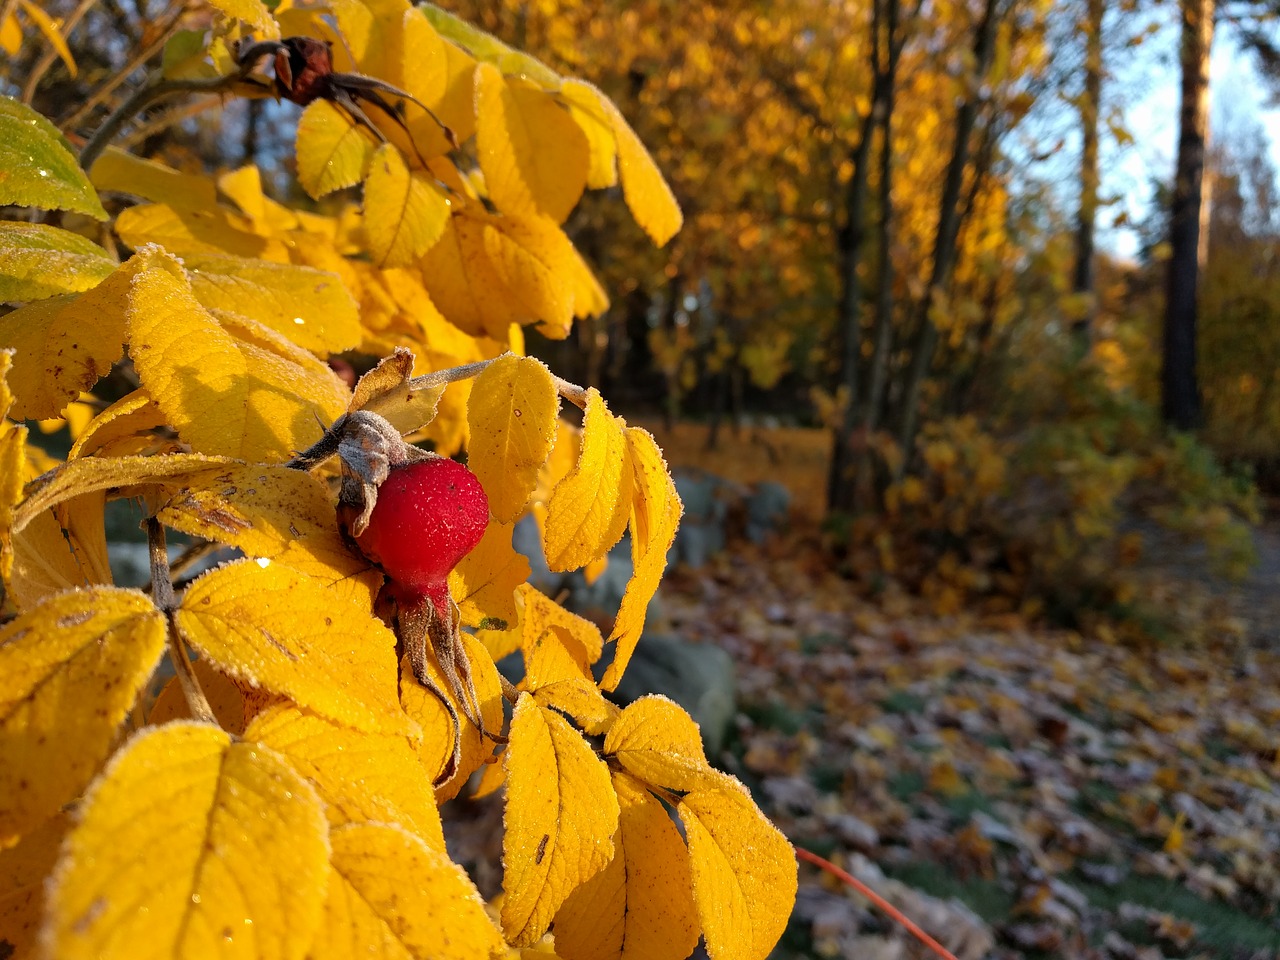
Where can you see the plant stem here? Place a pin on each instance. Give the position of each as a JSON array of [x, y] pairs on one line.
[[164, 598]]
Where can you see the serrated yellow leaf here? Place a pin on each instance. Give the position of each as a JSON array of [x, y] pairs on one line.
[[744, 873], [582, 700], [40, 169], [300, 363], [655, 515], [252, 12], [649, 198], [53, 696], [535, 262], [125, 172], [554, 655], [224, 396], [65, 344], [286, 633], [42, 563], [436, 746], [640, 907], [188, 233], [588, 509], [484, 581], [583, 102], [423, 68], [387, 390], [310, 307], [561, 816], [122, 428], [23, 870], [512, 416], [360, 776], [534, 156], [589, 298], [390, 895], [332, 151], [404, 211], [657, 742], [225, 698], [191, 845], [279, 514], [441, 75], [542, 613], [243, 187], [38, 261], [464, 283], [88, 474]]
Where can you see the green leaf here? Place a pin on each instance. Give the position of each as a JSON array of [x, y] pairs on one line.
[[39, 168], [38, 261]]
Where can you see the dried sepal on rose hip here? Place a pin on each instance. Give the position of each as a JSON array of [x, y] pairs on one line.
[[416, 515]]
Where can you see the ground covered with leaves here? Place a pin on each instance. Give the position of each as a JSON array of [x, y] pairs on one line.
[[1018, 792]]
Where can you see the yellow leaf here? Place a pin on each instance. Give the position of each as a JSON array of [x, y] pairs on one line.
[[640, 907], [13, 460], [388, 391], [223, 395], [589, 298], [464, 283], [11, 35], [657, 742], [360, 776], [188, 233], [436, 746], [53, 661], [40, 169], [512, 417], [122, 428], [489, 48], [225, 698], [588, 509], [541, 613], [440, 75], [390, 895], [535, 262], [86, 475], [564, 457], [552, 656], [279, 514], [310, 307], [65, 344], [38, 261], [42, 562], [583, 101], [191, 844], [582, 700], [484, 581], [52, 30], [23, 871], [744, 873], [561, 816], [534, 156], [283, 632], [123, 172], [252, 12], [655, 515], [650, 199], [243, 187], [332, 151], [404, 212]]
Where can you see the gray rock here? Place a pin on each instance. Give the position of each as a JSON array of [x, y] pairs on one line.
[[699, 677], [702, 528], [768, 509]]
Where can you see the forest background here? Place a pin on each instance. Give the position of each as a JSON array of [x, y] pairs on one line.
[[887, 291]]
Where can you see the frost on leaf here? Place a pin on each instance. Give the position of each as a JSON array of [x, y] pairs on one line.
[[190, 839]]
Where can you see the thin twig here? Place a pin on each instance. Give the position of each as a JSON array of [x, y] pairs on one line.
[[167, 119], [572, 392], [164, 598], [192, 555], [894, 913], [449, 375], [49, 56]]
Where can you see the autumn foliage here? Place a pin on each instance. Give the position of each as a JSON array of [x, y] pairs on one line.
[[279, 798]]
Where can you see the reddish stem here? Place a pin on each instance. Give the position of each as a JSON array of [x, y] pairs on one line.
[[846, 877]]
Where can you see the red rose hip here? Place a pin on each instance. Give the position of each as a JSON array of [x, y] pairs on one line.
[[429, 515]]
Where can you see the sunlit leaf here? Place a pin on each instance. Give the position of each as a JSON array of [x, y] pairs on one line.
[[588, 510], [38, 261], [225, 697], [404, 211], [40, 169], [253, 12], [125, 172], [391, 895], [656, 741], [486, 47], [388, 391], [639, 907], [583, 102], [214, 231], [332, 151], [512, 417], [23, 871], [484, 581], [561, 816], [52, 31], [655, 515], [52, 696], [191, 842], [281, 631]]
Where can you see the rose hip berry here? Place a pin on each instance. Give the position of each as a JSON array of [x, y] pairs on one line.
[[428, 516]]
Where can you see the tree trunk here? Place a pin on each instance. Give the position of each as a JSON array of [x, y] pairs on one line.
[[1090, 108], [1180, 395], [945, 246]]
